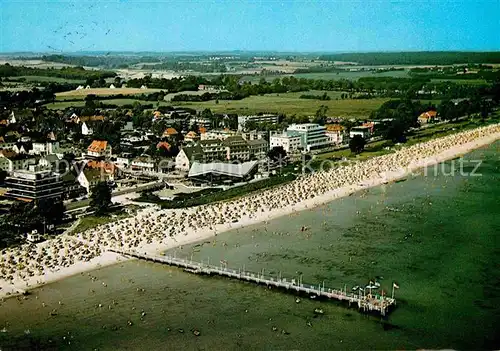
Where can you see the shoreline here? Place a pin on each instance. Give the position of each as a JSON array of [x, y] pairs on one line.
[[107, 258]]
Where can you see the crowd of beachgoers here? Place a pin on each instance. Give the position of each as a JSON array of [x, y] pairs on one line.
[[153, 229]]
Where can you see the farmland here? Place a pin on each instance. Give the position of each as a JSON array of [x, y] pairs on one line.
[[288, 103], [331, 75], [106, 92]]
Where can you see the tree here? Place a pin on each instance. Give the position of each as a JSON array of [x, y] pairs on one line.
[[320, 115], [100, 200], [447, 110], [277, 153], [357, 144], [396, 131], [51, 211]]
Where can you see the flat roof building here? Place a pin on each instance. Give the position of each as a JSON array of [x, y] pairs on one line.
[[34, 184], [312, 135]]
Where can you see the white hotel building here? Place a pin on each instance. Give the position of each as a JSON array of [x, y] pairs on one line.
[[306, 136]]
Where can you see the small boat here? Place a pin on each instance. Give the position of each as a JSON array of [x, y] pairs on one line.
[[312, 296], [318, 311], [355, 288], [371, 287], [377, 284]]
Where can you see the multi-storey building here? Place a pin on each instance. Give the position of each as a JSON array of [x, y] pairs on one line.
[[216, 134], [312, 135], [290, 143], [258, 148], [213, 150], [34, 184], [236, 148]]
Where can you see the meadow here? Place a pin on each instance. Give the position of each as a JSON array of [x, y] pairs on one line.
[[331, 75], [106, 92], [49, 79], [288, 103], [291, 103]]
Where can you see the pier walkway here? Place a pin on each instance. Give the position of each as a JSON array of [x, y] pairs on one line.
[[365, 302]]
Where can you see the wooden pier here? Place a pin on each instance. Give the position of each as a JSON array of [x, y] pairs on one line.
[[366, 302]]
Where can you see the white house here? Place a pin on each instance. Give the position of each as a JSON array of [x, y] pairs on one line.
[[99, 148], [10, 161], [45, 148], [88, 178], [182, 161], [290, 143], [335, 133], [86, 130], [187, 155], [19, 149], [217, 134], [123, 162], [112, 86], [363, 132], [144, 164]]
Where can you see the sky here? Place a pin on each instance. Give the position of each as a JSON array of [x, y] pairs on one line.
[[271, 25]]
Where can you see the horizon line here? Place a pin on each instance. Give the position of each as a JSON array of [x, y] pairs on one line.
[[11, 52]]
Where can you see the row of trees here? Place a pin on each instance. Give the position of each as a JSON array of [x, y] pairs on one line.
[[8, 70], [24, 217], [189, 83], [212, 67], [415, 58]]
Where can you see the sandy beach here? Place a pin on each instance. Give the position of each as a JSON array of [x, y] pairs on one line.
[[153, 230]]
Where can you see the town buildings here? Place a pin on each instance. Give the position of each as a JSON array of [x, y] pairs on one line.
[[312, 135], [34, 184], [290, 143], [99, 149], [217, 134], [427, 117], [233, 148], [49, 147], [265, 118], [362, 131], [335, 133]]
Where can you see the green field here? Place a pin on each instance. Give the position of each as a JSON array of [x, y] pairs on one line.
[[462, 81], [288, 103], [332, 75], [50, 79], [60, 105], [89, 222]]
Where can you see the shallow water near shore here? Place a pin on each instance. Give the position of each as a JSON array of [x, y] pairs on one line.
[[435, 235]]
